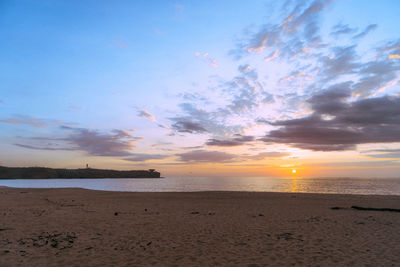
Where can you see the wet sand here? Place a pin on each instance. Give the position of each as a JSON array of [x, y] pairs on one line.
[[77, 227]]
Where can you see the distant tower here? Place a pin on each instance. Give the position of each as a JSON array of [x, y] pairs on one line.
[[87, 166]]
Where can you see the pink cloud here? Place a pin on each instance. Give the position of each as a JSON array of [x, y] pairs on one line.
[[207, 59]]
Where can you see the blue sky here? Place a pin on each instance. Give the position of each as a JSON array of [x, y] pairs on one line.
[[202, 87]]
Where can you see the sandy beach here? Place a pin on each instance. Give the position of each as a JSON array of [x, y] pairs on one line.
[[77, 227]]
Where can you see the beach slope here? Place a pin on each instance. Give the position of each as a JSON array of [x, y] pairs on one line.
[[77, 227]]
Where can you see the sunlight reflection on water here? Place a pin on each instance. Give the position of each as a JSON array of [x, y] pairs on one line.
[[378, 186]]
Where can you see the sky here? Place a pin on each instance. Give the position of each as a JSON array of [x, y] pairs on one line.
[[202, 88]]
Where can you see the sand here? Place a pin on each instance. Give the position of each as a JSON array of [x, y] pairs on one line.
[[77, 227]]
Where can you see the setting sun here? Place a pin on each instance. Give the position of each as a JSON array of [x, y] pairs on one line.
[[293, 171]]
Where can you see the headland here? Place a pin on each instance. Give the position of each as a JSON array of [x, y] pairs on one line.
[[50, 173]]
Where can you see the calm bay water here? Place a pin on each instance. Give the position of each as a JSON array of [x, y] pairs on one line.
[[378, 186]]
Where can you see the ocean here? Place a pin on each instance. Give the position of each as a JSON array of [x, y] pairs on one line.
[[364, 186]]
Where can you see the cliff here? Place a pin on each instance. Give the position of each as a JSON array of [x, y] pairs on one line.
[[49, 173]]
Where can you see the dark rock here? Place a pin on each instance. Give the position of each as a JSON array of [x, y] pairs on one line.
[[375, 209], [116, 214], [195, 212], [5, 229]]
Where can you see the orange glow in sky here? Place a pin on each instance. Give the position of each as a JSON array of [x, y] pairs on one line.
[[318, 98]]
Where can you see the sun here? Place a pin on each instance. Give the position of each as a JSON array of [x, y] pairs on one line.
[[294, 171]]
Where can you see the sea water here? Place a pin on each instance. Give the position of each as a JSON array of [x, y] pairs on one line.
[[366, 186]]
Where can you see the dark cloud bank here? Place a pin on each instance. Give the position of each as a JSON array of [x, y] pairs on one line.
[[204, 156], [117, 143], [339, 125], [238, 140]]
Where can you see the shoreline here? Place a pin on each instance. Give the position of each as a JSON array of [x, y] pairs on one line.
[[68, 226], [200, 191], [234, 184]]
